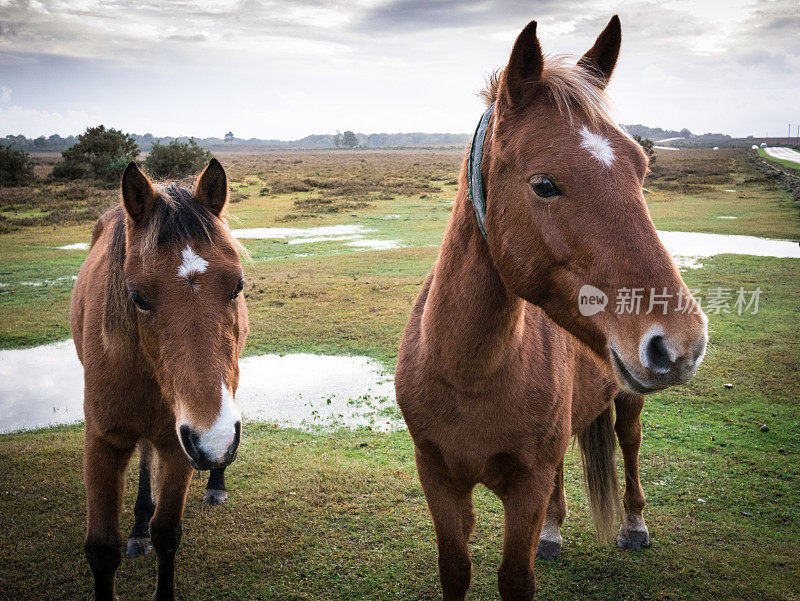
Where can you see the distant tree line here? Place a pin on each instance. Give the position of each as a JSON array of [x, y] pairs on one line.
[[656, 133], [54, 143], [347, 139], [145, 142]]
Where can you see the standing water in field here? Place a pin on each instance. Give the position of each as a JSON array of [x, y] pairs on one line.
[[43, 386], [351, 235], [302, 390], [40, 386], [687, 247]]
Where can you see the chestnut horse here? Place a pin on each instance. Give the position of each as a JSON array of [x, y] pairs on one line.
[[499, 366], [158, 322]]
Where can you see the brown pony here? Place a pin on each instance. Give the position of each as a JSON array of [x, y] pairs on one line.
[[499, 366], [158, 323]]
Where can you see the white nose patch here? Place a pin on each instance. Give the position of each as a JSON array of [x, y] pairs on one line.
[[598, 146], [192, 264], [215, 441]]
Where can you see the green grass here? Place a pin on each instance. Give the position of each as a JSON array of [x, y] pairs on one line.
[[348, 519], [790, 164], [339, 514]]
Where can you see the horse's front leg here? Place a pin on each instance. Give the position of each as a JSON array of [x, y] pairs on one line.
[[525, 501], [165, 528], [633, 534], [104, 469], [216, 492], [139, 539], [450, 504], [550, 540]]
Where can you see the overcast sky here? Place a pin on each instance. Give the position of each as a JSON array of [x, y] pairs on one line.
[[288, 68]]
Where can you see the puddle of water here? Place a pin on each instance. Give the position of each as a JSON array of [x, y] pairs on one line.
[[300, 232], [375, 244], [76, 246], [43, 386], [302, 390], [352, 235], [687, 247], [730, 190], [40, 386], [726, 217], [323, 239], [47, 282], [392, 216]]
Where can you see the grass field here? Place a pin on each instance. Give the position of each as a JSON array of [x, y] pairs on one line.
[[340, 515]]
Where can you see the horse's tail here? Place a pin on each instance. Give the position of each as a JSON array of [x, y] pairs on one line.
[[598, 446]]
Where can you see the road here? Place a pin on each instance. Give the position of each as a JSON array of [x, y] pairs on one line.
[[787, 154]]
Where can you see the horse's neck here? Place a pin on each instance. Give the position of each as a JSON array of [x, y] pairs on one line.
[[471, 321]]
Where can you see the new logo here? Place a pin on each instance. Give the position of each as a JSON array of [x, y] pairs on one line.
[[591, 300]]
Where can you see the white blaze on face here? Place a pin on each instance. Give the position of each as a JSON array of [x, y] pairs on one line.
[[216, 441], [598, 146], [192, 264]]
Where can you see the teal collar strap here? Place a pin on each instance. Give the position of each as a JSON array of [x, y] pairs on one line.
[[476, 194]]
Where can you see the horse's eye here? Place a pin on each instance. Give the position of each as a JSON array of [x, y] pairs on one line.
[[544, 186], [239, 288], [140, 303]]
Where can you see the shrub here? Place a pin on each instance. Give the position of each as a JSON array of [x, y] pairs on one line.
[[647, 145], [68, 170], [176, 159], [16, 167], [100, 153]]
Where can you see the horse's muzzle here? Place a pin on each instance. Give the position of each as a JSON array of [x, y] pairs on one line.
[[661, 363], [198, 457]]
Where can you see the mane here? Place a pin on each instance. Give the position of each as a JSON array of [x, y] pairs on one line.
[[176, 219], [118, 318], [569, 86]]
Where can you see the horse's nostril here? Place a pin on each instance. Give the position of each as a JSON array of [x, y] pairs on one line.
[[190, 439], [658, 359]]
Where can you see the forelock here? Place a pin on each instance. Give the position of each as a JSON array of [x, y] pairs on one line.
[[571, 88]]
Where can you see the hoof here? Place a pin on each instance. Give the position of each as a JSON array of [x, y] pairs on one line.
[[633, 540], [548, 549], [215, 497], [138, 546]]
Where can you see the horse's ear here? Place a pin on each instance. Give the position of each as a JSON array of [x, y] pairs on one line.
[[602, 58], [212, 188], [524, 67], [138, 194]]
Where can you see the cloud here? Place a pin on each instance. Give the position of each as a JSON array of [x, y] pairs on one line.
[[33, 122], [286, 68], [5, 94], [177, 37], [400, 16]]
